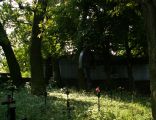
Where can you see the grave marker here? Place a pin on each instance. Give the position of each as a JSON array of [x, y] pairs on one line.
[[98, 93]]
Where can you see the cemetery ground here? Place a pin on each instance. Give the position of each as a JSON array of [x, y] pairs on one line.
[[113, 105]]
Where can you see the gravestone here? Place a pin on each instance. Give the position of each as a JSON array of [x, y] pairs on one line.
[[86, 60]]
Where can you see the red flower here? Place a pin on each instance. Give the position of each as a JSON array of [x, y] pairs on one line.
[[97, 90]]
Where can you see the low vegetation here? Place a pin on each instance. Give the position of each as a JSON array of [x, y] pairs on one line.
[[84, 106]]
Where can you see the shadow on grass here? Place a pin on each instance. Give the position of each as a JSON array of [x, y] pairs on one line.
[[78, 108], [34, 107], [83, 108], [129, 97]]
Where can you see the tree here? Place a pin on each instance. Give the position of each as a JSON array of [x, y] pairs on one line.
[[18, 22], [11, 17], [21, 20], [37, 79], [11, 59], [149, 8], [128, 32]]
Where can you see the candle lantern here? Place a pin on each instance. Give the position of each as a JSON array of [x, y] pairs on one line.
[[98, 93]]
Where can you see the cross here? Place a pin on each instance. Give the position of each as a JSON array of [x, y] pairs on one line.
[[69, 108], [10, 110]]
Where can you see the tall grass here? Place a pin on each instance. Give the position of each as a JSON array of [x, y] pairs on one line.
[[113, 106]]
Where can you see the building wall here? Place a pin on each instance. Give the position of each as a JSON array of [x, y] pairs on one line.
[[69, 70], [141, 72]]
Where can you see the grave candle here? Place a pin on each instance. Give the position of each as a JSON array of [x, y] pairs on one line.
[[98, 95]]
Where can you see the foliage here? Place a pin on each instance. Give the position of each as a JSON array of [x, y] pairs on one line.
[[97, 24], [100, 25], [17, 17], [113, 106], [17, 24]]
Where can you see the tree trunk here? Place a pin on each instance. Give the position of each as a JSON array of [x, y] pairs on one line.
[[125, 31], [129, 66], [38, 85], [56, 72], [48, 69], [13, 65], [150, 17], [107, 63]]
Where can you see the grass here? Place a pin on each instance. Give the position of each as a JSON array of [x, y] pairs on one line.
[[113, 106]]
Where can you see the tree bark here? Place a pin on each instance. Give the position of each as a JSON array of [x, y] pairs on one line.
[[13, 65], [38, 85], [150, 20]]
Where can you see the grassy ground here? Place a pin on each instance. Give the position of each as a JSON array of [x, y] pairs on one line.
[[113, 106]]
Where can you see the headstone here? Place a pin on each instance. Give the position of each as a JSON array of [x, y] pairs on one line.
[[85, 63]]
